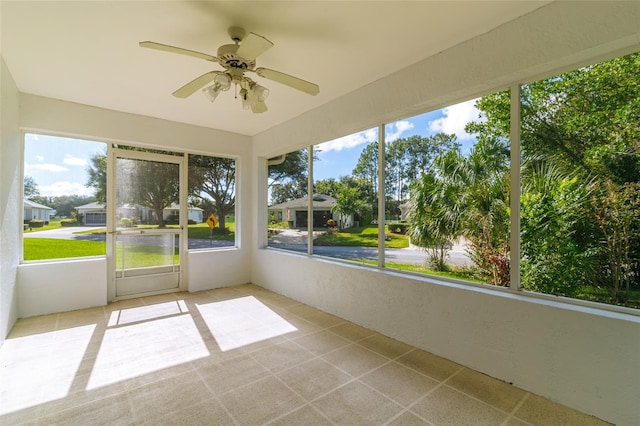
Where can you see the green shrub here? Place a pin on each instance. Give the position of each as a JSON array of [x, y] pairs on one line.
[[173, 219], [68, 222], [398, 227], [34, 223], [126, 222]]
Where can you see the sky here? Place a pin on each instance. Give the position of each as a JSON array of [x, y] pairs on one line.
[[59, 165], [338, 157]]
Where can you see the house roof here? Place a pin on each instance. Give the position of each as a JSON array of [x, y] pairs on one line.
[[91, 206], [34, 205], [320, 202], [101, 206], [175, 206]]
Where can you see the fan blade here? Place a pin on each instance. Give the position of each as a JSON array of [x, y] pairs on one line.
[[253, 46], [259, 107], [173, 49], [289, 80], [189, 88]]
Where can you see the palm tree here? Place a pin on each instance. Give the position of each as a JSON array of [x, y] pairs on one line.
[[466, 197]]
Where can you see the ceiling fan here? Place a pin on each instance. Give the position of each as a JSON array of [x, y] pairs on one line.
[[236, 59]]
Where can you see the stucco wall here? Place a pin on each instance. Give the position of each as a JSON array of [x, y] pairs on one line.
[[60, 286], [581, 357], [10, 204]]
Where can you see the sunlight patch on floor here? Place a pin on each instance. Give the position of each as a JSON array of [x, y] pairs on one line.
[[42, 367], [144, 347], [144, 313], [242, 321]]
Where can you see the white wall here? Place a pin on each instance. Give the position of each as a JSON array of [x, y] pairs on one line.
[[10, 200], [581, 357], [39, 114], [60, 286]]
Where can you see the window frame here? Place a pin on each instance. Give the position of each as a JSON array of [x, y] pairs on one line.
[[514, 238], [109, 146]]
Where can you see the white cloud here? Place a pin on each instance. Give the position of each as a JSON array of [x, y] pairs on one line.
[[40, 158], [64, 188], [350, 141], [74, 161], [455, 118], [400, 128], [45, 167]]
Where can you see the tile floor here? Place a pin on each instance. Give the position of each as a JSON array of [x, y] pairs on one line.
[[241, 356]]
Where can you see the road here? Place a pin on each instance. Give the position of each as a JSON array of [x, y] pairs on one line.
[[457, 255]]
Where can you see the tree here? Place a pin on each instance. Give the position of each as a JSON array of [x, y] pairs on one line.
[[64, 205], [466, 196], [30, 187], [294, 167], [328, 187], [366, 169], [214, 177], [405, 159], [585, 126], [617, 213], [348, 202], [288, 180], [151, 184], [97, 172], [288, 191], [555, 258]]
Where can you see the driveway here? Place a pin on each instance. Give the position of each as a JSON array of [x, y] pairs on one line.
[[67, 233]]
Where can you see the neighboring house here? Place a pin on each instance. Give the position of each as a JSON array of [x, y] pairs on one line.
[[95, 214], [404, 210], [35, 211], [195, 213], [295, 212]]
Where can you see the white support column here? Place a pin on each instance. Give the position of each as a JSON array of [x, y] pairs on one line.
[[110, 199], [184, 221], [514, 248], [381, 200], [310, 201]]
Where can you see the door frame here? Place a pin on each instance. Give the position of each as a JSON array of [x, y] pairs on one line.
[[113, 153]]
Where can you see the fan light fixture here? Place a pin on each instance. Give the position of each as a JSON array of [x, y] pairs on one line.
[[253, 96], [237, 59], [222, 82]]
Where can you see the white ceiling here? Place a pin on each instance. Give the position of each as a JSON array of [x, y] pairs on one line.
[[87, 52]]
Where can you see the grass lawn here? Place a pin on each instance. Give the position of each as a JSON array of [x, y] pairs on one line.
[[366, 236], [53, 248], [457, 273], [202, 231], [54, 224], [141, 256], [599, 294], [50, 248]]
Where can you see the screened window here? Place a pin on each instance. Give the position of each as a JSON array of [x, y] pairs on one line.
[[212, 202], [345, 184], [64, 197], [287, 201], [580, 204], [450, 190]]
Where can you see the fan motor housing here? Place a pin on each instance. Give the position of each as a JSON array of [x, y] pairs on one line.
[[228, 59]]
